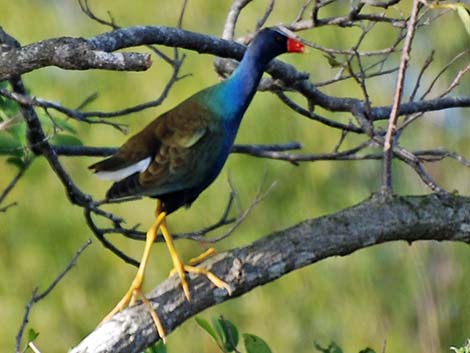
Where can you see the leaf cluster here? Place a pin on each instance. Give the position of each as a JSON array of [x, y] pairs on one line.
[[13, 131], [226, 335]]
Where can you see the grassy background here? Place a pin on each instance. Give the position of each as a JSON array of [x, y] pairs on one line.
[[414, 298]]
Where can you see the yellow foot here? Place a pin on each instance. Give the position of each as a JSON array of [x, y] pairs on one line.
[[197, 260], [123, 303], [128, 300], [135, 288], [183, 269], [210, 276]]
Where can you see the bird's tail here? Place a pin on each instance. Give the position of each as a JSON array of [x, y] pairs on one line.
[[126, 187]]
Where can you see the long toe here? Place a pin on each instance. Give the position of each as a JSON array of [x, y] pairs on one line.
[[123, 303], [210, 276], [185, 286], [156, 319]]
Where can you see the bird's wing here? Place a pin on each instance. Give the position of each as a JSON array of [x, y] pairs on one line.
[[174, 163], [163, 157]]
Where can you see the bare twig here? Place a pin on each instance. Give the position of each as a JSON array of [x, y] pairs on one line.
[[389, 137], [73, 151], [182, 12], [37, 296], [223, 221], [260, 196], [232, 18], [100, 235], [269, 9], [86, 9], [25, 100], [440, 154], [383, 4], [302, 10], [353, 18], [361, 78], [13, 183], [311, 115], [442, 71], [425, 66], [7, 206], [456, 81]]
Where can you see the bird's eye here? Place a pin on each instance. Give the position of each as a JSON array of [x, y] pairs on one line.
[[279, 38]]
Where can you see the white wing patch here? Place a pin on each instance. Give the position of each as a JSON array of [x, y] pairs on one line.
[[117, 175]]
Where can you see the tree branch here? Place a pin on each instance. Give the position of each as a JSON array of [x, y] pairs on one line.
[[201, 43], [67, 53], [369, 223], [253, 149]]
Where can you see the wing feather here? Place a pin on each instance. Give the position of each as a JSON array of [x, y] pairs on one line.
[[171, 147]]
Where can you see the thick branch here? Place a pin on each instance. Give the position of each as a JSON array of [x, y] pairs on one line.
[[67, 53], [368, 223]]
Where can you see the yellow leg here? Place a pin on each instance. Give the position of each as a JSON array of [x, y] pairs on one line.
[[181, 268], [136, 285], [177, 263]]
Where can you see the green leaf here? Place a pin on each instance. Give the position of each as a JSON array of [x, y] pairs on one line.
[[464, 15], [332, 348], [10, 145], [204, 324], [67, 140], [17, 129], [16, 161], [464, 349], [32, 335], [9, 106], [158, 347], [231, 334], [332, 61], [462, 11], [367, 350], [64, 125], [255, 344], [221, 338]]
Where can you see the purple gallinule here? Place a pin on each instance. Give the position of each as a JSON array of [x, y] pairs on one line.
[[180, 153]]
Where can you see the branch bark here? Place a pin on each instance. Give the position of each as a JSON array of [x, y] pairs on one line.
[[67, 53], [369, 223]]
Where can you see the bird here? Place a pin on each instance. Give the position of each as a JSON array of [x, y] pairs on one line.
[[180, 153]]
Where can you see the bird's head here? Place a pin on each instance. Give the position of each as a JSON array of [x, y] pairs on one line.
[[277, 41]]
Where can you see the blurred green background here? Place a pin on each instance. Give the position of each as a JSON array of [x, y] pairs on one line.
[[409, 298]]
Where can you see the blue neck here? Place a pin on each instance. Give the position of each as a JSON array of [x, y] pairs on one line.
[[240, 88]]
